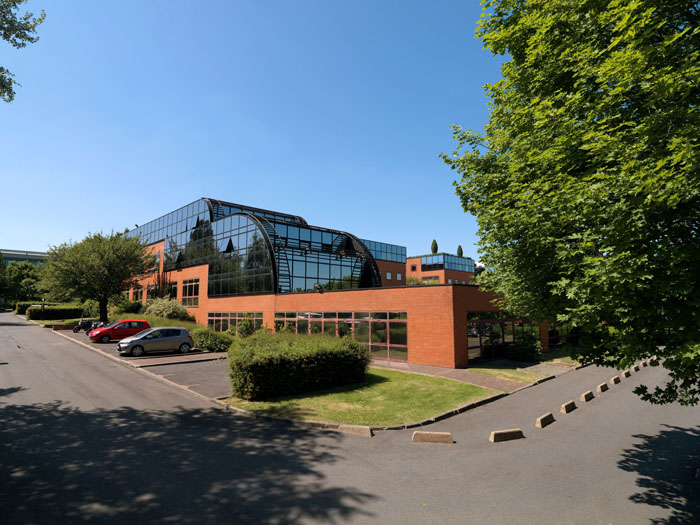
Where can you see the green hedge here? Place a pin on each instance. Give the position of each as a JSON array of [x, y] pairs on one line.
[[270, 365], [54, 312], [21, 306], [129, 307], [211, 341]]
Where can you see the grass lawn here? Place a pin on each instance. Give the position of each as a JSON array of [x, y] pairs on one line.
[[558, 356], [505, 369], [386, 397]]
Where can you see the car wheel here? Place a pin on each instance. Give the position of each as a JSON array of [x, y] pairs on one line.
[[104, 339], [137, 351], [184, 348]]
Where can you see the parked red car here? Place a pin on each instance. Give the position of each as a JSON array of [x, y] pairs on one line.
[[119, 330]]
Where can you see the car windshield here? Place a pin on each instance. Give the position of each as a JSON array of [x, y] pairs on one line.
[[145, 332], [112, 325]]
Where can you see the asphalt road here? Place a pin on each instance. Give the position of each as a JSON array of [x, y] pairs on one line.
[[83, 438]]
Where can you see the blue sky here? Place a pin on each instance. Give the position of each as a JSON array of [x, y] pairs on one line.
[[335, 111]]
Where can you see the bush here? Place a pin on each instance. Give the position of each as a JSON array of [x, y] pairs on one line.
[[277, 364], [527, 348], [246, 327], [21, 306], [167, 308], [129, 307], [211, 341], [91, 308], [54, 312]]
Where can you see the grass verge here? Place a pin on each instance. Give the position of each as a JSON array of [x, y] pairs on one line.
[[560, 356], [384, 398], [504, 369]]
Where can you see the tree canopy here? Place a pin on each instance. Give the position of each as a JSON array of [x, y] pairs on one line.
[[460, 252], [585, 180], [434, 246], [98, 267], [18, 30]]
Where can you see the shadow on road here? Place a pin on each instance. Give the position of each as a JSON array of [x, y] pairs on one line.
[[60, 464], [666, 466]]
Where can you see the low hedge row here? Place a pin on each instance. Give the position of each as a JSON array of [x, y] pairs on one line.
[[210, 341], [270, 365], [21, 306], [54, 312]]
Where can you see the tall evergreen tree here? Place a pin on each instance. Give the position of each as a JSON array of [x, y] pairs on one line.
[[434, 247]]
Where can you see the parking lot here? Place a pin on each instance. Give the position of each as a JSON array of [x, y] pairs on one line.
[[202, 372]]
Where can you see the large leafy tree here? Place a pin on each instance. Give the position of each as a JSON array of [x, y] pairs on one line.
[[585, 180], [98, 267], [18, 30], [21, 281]]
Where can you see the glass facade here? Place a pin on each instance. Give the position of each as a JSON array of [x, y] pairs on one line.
[[384, 334], [386, 252], [489, 332], [250, 250], [444, 261]]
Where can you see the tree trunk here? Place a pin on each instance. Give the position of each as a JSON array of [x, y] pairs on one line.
[[103, 310]]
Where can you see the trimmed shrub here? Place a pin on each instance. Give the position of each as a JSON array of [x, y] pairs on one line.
[[246, 327], [167, 308], [129, 307], [21, 306], [54, 312], [271, 365], [527, 348], [211, 341]]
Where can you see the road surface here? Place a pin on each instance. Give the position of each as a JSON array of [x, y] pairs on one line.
[[83, 438]]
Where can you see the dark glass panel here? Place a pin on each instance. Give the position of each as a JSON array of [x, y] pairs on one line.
[[396, 352], [379, 352], [302, 327], [329, 315], [329, 328], [315, 327], [398, 333], [343, 328], [379, 332], [362, 331], [279, 326], [344, 315], [379, 315]]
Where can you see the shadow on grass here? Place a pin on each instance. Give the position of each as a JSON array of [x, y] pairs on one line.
[[666, 466], [63, 465]]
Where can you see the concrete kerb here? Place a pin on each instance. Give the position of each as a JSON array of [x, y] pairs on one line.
[[614, 380], [420, 436], [506, 435], [587, 396], [603, 387], [567, 407], [625, 374], [544, 420]]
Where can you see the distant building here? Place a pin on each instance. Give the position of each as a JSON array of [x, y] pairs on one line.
[[440, 268], [9, 256]]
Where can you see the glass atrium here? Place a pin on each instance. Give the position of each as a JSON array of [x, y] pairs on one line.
[[250, 250]]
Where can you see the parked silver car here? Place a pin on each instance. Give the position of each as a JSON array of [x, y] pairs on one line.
[[159, 339]]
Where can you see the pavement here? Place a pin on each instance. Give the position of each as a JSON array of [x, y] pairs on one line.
[[89, 438]]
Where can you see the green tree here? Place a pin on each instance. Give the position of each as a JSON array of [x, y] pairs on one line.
[[18, 30], [460, 252], [98, 267], [434, 246], [585, 180], [22, 281]]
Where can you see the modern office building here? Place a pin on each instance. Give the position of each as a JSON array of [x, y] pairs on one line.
[[227, 262], [440, 268], [19, 256]]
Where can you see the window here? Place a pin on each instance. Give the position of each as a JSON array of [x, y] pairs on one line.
[[137, 294], [398, 276], [152, 291], [413, 267], [222, 321], [190, 292], [383, 334], [388, 276], [449, 281], [464, 282], [171, 290]]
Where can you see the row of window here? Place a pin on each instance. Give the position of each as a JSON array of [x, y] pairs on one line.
[[223, 321], [386, 252], [489, 332], [445, 261], [399, 277]]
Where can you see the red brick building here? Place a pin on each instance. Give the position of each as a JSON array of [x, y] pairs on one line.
[[228, 262]]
